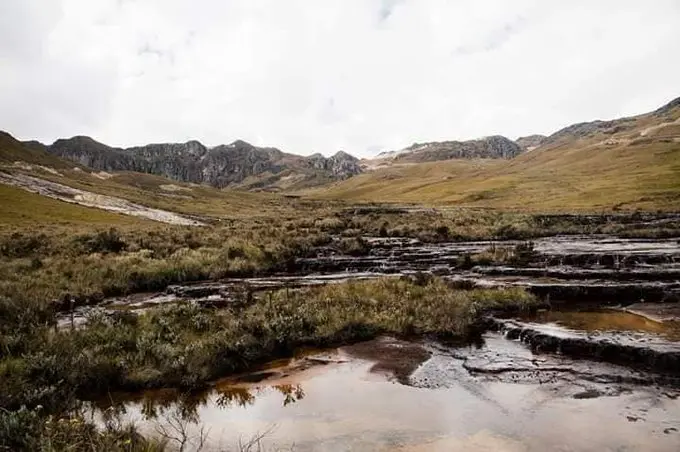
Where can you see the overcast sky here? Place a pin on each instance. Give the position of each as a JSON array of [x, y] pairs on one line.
[[323, 75]]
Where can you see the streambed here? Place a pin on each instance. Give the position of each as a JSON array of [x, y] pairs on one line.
[[599, 369], [494, 395], [574, 269]]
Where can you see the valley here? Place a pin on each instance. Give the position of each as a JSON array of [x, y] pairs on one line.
[[233, 297]]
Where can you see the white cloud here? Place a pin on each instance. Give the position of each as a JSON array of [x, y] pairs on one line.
[[321, 75]]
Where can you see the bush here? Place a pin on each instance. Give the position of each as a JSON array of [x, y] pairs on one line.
[[102, 242], [34, 430], [20, 245], [356, 246]]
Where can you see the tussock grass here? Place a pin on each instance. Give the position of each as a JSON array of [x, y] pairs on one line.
[[88, 262], [32, 430], [186, 346]]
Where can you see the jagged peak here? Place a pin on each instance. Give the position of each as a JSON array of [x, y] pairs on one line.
[[240, 144], [343, 155], [493, 137]]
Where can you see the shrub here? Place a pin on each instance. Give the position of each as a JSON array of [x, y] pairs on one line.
[[102, 242]]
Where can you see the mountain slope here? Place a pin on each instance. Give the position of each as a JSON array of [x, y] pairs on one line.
[[29, 166], [13, 152], [488, 147], [623, 163], [531, 142], [238, 164]]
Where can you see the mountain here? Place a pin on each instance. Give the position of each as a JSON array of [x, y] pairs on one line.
[[13, 152], [233, 165], [37, 187], [530, 142], [624, 163], [493, 147]]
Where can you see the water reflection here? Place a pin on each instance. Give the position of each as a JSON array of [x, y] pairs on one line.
[[158, 404], [608, 321], [291, 393], [452, 410]]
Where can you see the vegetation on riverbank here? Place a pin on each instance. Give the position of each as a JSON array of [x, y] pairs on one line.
[[31, 430], [43, 268], [87, 263], [185, 345]]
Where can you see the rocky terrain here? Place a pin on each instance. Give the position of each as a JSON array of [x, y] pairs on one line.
[[238, 164], [531, 142], [494, 147]]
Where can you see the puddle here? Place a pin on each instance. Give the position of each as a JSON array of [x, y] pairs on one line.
[[607, 321], [346, 404]]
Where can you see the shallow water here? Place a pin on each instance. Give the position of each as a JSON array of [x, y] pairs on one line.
[[608, 321], [495, 397]]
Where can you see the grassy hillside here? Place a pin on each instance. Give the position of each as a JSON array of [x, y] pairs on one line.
[[13, 151], [631, 163], [149, 190], [22, 209]]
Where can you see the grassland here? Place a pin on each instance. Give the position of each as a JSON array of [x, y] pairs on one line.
[[590, 178], [625, 164], [21, 209]]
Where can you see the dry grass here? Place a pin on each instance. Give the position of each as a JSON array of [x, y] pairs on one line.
[[186, 346], [587, 175], [21, 209]]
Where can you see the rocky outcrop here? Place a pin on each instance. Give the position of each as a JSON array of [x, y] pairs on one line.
[[668, 108], [494, 147], [531, 142], [590, 129], [342, 165], [220, 166], [88, 152], [628, 350]]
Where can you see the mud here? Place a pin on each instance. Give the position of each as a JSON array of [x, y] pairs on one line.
[[391, 356], [657, 312]]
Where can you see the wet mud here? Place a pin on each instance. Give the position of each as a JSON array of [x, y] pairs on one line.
[[391, 357]]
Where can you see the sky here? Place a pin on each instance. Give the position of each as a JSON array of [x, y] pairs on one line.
[[307, 76]]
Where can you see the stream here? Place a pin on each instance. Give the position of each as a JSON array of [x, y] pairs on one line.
[[599, 370], [492, 396], [592, 269]]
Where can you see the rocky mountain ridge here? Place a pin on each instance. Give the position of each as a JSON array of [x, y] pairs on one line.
[[531, 142], [220, 166], [492, 147]]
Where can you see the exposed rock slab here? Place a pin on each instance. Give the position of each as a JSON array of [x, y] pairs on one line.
[[85, 198], [642, 351]]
